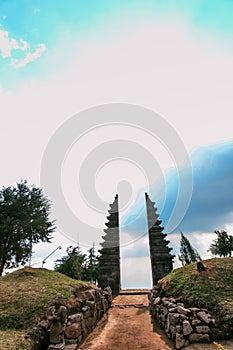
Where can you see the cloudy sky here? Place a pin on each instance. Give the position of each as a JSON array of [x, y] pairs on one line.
[[173, 58]]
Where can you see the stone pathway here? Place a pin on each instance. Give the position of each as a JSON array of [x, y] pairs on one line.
[[127, 326]]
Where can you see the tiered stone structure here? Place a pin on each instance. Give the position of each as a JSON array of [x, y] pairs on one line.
[[109, 260], [161, 258]]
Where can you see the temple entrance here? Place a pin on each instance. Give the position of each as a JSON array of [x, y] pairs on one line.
[[135, 266], [111, 266]]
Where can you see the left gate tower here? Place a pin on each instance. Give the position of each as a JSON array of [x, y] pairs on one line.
[[109, 260]]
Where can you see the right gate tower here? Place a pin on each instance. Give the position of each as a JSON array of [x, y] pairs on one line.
[[161, 258]]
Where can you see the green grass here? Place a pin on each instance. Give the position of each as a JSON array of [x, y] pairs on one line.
[[12, 340], [211, 288], [24, 295], [26, 292]]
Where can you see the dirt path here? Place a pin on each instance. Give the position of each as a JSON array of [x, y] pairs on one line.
[[127, 326]]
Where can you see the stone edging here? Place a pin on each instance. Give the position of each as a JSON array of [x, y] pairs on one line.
[[184, 325], [84, 311]]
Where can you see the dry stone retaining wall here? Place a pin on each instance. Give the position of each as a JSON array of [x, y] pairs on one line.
[[84, 311], [184, 325]]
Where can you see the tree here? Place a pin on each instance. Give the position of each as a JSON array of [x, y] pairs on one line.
[[188, 254], [92, 266], [223, 244], [73, 264], [24, 221], [78, 265]]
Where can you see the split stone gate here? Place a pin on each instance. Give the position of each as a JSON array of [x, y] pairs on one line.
[[109, 260]]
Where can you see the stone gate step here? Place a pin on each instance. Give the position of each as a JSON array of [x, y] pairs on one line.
[[134, 291]]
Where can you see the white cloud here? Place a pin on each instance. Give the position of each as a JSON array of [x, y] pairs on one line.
[[30, 57], [8, 45]]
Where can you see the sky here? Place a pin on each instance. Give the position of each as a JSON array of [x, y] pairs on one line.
[[161, 73]]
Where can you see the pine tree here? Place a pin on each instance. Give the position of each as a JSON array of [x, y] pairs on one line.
[[223, 244], [73, 264], [24, 221], [188, 254], [92, 266]]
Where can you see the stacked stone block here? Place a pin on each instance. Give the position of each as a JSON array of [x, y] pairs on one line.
[[184, 325], [84, 311]]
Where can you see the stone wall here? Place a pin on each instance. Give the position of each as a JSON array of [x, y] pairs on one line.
[[184, 325], [84, 311]]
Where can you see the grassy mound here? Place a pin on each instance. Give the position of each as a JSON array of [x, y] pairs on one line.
[[25, 293], [212, 288]]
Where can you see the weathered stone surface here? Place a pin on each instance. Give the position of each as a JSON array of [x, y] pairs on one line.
[[91, 304], [173, 310], [183, 317], [173, 331], [157, 301], [85, 308], [88, 313], [195, 322], [105, 305], [178, 329], [85, 330], [180, 341], [162, 318], [70, 347], [180, 304], [89, 322], [172, 300], [73, 331], [165, 300], [194, 309], [174, 319], [205, 317], [79, 339], [202, 329], [56, 316], [183, 310], [88, 295], [75, 318], [187, 329], [71, 341], [199, 338], [56, 347]]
